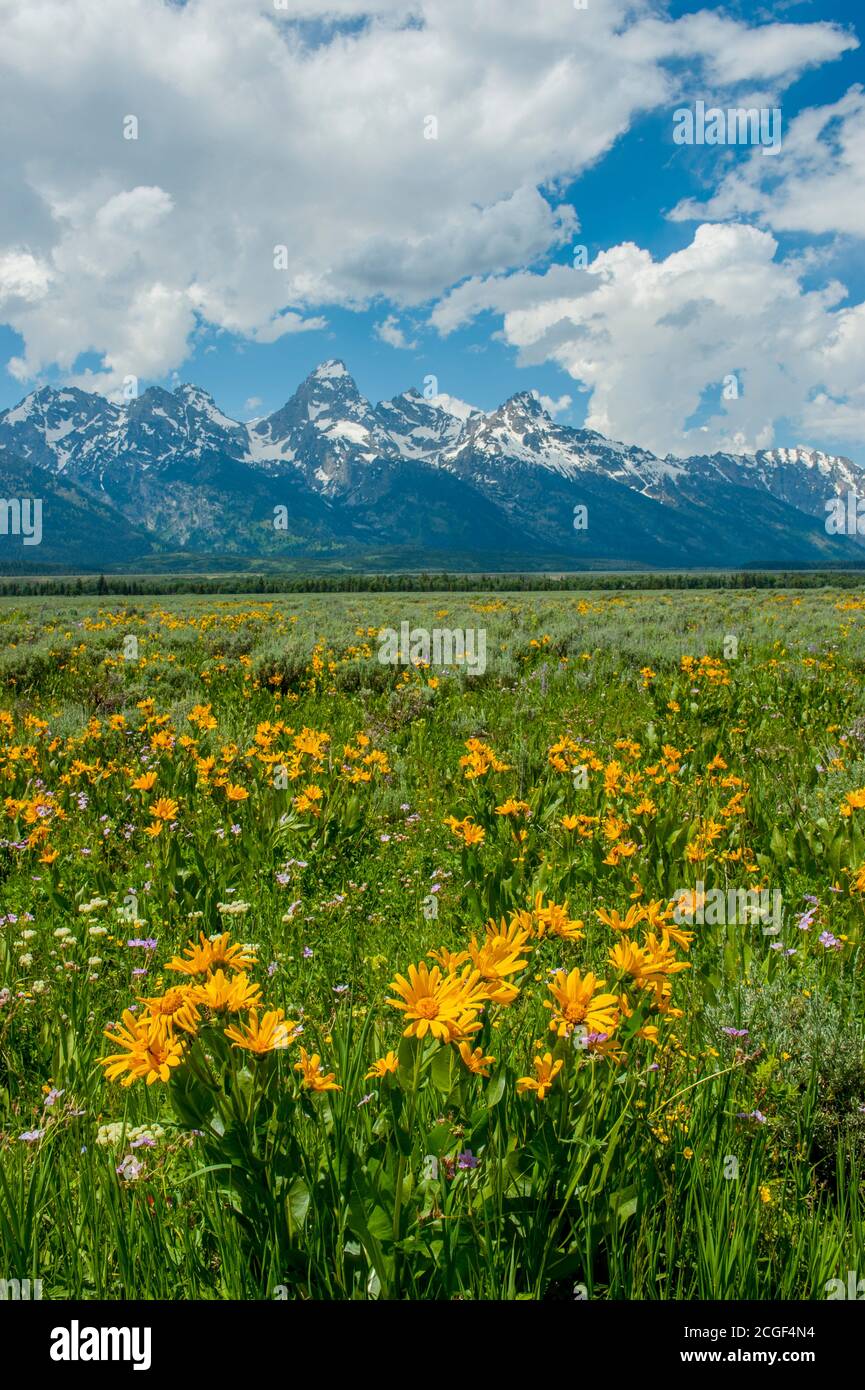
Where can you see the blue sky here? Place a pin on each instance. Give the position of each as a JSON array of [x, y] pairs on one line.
[[621, 195]]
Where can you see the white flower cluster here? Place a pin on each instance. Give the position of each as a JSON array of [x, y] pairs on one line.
[[114, 1134]]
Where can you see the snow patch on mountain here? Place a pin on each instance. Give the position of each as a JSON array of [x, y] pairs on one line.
[[331, 435], [332, 370]]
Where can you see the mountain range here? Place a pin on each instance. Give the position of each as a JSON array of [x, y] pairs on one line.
[[167, 480]]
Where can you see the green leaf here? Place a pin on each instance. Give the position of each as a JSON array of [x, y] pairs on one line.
[[496, 1087], [298, 1202], [443, 1070], [778, 844], [624, 1203], [406, 1053], [439, 1139]]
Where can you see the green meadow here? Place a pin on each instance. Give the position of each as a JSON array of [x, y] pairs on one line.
[[416, 979]]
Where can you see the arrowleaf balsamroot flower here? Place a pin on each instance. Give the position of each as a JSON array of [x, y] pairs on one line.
[[547, 1070], [385, 1065], [149, 1051], [267, 1034], [313, 1078], [444, 1006], [515, 934], [578, 1001], [475, 1060], [497, 957], [853, 801], [174, 1007], [451, 960], [630, 959], [648, 965], [227, 995], [203, 956], [145, 783], [631, 920], [658, 913], [555, 919], [471, 833]]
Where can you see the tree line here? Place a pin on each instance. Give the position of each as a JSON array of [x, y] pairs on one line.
[[125, 586]]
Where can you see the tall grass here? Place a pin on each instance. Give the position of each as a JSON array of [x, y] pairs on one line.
[[700, 1163]]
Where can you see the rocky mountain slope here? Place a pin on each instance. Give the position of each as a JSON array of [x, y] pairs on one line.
[[410, 482]]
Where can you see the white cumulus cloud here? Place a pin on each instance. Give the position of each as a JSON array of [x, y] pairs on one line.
[[817, 187], [552, 406], [389, 332], [710, 348], [303, 127]]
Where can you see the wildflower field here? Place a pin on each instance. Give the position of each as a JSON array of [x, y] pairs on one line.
[[322, 978]]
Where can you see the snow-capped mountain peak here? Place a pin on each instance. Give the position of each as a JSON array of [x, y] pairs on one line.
[[55, 426], [326, 429], [803, 457], [526, 403], [332, 370], [420, 426], [519, 434], [329, 439], [197, 399]]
